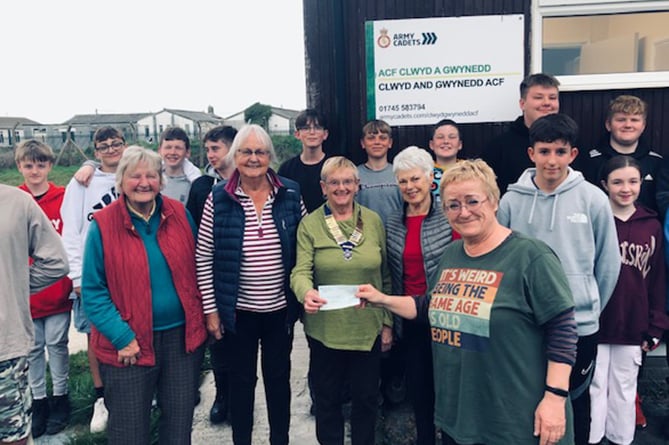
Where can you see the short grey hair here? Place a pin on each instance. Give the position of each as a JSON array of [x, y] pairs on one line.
[[413, 157], [133, 156], [240, 139]]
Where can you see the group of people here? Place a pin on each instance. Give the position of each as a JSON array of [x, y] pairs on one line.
[[434, 260]]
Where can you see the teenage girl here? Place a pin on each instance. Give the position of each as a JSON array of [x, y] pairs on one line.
[[634, 319]]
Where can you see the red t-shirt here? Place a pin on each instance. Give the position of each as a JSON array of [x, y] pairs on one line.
[[415, 282]]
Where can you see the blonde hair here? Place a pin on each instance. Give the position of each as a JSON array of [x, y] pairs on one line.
[[34, 151], [471, 170], [335, 163], [626, 104]]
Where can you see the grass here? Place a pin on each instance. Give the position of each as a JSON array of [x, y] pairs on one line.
[[59, 175]]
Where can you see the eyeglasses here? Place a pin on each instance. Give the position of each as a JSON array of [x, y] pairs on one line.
[[345, 182], [105, 148], [247, 153], [471, 204], [311, 128]]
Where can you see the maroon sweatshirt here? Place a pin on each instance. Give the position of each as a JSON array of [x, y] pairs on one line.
[[637, 307]]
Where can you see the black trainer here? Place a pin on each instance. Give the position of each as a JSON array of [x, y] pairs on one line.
[[59, 416], [40, 416], [219, 412]]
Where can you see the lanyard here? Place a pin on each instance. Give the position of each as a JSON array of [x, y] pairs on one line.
[[346, 245]]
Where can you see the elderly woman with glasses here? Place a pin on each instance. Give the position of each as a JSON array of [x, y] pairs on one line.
[[245, 252], [416, 237], [339, 246], [139, 290], [502, 325]]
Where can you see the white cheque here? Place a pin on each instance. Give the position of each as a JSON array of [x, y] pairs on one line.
[[338, 297]]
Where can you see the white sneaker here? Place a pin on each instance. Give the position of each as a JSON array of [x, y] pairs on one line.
[[100, 416]]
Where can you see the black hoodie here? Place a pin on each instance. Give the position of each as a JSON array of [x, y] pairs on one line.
[[507, 154], [649, 160]]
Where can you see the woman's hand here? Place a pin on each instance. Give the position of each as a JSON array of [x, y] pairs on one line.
[[550, 419], [129, 355], [369, 294], [214, 326], [313, 301], [386, 338]]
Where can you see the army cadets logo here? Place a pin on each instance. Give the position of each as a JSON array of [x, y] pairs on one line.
[[384, 41]]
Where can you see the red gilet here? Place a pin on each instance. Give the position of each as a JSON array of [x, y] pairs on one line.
[[55, 299], [126, 267]]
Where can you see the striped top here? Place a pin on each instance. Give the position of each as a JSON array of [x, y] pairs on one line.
[[261, 274]]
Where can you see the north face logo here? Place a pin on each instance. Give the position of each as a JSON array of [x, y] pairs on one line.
[[577, 218]]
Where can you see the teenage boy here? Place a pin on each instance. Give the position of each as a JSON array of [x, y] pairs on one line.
[[25, 234], [311, 130], [174, 149], [49, 308], [554, 203], [79, 204], [625, 124], [507, 153], [445, 143], [305, 168], [217, 142], [378, 187]]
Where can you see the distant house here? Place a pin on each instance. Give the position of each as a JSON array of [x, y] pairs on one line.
[[282, 120], [195, 123], [83, 126], [16, 129]]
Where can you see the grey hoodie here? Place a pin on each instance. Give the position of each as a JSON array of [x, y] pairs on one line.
[[576, 221]]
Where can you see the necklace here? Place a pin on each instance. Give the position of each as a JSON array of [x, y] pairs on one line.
[[346, 245]]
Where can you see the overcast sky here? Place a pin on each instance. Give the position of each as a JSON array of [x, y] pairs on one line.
[[67, 57]]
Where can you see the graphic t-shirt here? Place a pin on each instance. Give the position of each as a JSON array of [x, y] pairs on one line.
[[486, 315], [436, 182]]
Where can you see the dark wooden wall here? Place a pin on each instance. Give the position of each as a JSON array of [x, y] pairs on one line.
[[336, 85]]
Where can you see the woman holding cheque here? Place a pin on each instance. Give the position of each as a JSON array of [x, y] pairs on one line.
[[502, 324], [342, 244]]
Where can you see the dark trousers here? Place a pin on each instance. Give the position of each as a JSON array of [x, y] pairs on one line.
[[220, 369], [448, 440], [276, 340], [129, 391], [420, 380], [331, 370], [579, 386]]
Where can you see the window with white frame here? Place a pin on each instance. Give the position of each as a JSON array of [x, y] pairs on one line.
[[602, 44]]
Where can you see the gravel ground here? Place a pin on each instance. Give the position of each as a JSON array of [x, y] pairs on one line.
[[395, 424]]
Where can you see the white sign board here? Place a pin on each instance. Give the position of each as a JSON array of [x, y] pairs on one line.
[[468, 69]]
